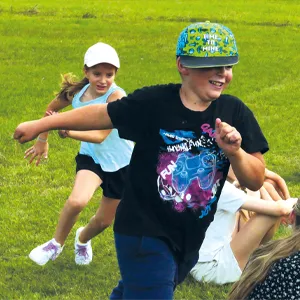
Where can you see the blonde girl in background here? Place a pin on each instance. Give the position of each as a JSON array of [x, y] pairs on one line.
[[273, 271]]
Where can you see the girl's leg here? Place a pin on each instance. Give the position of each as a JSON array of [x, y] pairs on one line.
[[147, 267], [272, 191], [250, 236], [268, 192], [103, 219], [280, 186], [86, 182]]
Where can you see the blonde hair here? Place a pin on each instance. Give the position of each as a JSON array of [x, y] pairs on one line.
[[263, 259], [70, 86]]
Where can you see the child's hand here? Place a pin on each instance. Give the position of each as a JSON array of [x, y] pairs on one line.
[[63, 133], [287, 206], [38, 151], [27, 131], [50, 113], [227, 137]]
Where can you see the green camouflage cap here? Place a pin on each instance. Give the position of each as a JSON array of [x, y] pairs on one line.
[[205, 44]]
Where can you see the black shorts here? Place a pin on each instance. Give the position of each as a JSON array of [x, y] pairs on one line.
[[113, 183]]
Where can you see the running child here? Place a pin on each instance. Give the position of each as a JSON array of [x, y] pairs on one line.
[[102, 160], [186, 135]]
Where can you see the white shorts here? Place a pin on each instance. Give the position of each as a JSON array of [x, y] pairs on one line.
[[223, 269]]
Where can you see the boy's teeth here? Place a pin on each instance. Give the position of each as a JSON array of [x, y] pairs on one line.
[[216, 83]]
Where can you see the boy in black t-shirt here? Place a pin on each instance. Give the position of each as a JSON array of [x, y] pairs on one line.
[[186, 136]]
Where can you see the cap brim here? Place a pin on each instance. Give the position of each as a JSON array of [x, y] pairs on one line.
[[208, 62], [96, 62]]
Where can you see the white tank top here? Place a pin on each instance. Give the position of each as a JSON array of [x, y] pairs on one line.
[[113, 153]]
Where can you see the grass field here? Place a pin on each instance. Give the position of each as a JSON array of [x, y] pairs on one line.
[[42, 39]]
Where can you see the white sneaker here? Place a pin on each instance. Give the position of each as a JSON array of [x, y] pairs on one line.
[[43, 253], [83, 252]]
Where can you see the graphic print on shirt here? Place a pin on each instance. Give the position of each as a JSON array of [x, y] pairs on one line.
[[190, 169]]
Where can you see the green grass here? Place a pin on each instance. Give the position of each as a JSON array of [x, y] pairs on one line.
[[40, 40]]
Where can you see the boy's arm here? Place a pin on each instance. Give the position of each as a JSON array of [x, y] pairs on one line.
[[248, 168], [85, 118], [92, 136], [55, 105]]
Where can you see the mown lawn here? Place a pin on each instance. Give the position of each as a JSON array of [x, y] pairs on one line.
[[41, 40]]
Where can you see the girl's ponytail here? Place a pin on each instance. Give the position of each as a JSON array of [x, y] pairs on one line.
[[70, 86]]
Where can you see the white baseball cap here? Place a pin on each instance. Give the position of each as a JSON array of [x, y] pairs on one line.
[[101, 53]]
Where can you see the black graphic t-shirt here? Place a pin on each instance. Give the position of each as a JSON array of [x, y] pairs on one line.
[[177, 170]]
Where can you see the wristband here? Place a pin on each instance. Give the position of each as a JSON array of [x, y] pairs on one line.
[[42, 140]]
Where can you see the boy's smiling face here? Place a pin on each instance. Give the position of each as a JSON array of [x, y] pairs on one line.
[[208, 83]]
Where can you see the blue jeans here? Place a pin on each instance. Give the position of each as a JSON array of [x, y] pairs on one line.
[[148, 268]]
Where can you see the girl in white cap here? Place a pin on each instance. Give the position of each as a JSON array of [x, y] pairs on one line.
[[102, 159]]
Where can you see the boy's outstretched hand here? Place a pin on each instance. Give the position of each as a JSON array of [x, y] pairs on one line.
[[227, 137], [26, 131]]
